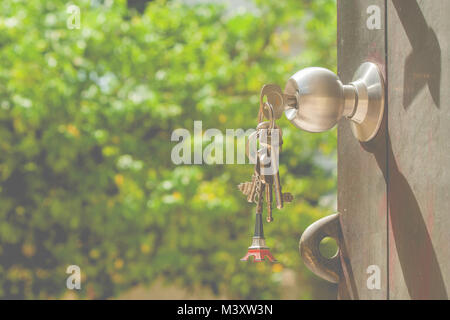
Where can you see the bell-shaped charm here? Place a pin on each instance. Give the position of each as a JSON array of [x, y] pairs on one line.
[[258, 250]]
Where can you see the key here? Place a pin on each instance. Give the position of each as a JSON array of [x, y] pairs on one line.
[[274, 154], [278, 191], [274, 151], [269, 202], [280, 197], [255, 181], [278, 194], [267, 180], [269, 196], [249, 188], [267, 170]]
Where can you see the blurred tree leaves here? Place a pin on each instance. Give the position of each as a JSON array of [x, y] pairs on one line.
[[85, 123]]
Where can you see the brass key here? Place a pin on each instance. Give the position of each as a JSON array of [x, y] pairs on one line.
[[268, 182]]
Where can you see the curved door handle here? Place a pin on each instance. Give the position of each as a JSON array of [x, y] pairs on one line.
[[327, 268]]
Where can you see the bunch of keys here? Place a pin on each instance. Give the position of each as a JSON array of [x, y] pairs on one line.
[[266, 175]]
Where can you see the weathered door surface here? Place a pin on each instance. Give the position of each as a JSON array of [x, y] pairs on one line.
[[418, 34], [394, 192], [362, 189]]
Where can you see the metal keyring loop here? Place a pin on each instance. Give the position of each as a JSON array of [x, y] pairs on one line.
[[272, 119], [255, 134]]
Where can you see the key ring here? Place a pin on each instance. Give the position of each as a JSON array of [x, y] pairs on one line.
[[275, 98], [256, 134], [269, 107]]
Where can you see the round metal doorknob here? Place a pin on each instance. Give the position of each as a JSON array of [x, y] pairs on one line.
[[315, 100]]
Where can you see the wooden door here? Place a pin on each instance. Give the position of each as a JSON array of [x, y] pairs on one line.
[[393, 192], [418, 35], [362, 189]]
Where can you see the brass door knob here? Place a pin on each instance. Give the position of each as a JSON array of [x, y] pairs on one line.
[[315, 100]]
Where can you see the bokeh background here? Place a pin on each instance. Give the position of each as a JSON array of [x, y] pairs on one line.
[[86, 117]]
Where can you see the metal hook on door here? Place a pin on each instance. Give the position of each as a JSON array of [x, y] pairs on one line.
[[327, 268]]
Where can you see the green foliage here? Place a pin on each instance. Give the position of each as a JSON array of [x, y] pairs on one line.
[[86, 118]]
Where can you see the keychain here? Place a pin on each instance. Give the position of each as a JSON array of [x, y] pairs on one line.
[[266, 173]]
